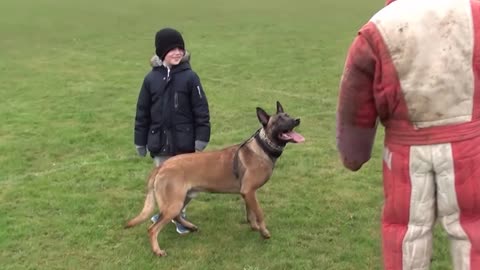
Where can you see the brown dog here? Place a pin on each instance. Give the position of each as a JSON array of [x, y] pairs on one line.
[[242, 168]]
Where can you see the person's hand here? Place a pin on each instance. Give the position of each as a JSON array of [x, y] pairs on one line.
[[141, 150]]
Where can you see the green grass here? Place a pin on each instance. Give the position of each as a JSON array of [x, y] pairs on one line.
[[70, 73]]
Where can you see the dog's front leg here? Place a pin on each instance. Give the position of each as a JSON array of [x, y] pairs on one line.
[[251, 218], [253, 206]]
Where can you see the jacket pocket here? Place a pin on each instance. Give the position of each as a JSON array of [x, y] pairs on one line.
[[154, 143], [184, 138]]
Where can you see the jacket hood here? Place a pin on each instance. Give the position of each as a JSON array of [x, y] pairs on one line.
[[155, 61]]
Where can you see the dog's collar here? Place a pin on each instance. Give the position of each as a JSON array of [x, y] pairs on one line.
[[272, 149]]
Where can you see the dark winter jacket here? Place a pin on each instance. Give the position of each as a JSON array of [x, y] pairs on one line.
[[172, 110]]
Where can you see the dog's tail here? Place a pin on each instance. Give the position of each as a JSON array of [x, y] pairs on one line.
[[149, 205]]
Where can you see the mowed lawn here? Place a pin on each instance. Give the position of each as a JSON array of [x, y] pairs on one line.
[[70, 72]]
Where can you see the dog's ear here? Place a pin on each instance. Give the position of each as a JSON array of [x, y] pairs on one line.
[[279, 107], [263, 117]]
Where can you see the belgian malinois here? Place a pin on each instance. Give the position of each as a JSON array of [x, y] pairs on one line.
[[241, 168]]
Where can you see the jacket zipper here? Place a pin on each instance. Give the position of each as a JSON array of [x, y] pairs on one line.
[[175, 97], [166, 142]]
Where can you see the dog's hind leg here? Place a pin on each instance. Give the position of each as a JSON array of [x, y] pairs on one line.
[[170, 196], [187, 224], [168, 213]]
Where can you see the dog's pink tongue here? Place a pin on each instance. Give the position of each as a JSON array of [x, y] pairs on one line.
[[296, 137]]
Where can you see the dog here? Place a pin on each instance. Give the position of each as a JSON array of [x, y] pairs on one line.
[[241, 168]]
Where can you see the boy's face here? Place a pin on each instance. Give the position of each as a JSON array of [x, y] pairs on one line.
[[173, 57]]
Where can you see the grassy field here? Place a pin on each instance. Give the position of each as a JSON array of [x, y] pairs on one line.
[[70, 73]]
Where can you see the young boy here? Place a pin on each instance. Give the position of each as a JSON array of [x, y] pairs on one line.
[[172, 114]]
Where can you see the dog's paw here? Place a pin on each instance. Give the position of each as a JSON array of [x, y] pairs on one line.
[[160, 253], [255, 227], [193, 229], [265, 234]]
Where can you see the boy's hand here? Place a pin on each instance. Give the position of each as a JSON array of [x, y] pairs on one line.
[[141, 150]]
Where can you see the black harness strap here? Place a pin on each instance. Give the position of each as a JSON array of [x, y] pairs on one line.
[[236, 161], [236, 165]]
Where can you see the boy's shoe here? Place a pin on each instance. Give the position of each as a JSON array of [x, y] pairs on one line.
[[155, 218], [179, 227]]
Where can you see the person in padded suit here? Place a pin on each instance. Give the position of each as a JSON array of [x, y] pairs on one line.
[[415, 68]]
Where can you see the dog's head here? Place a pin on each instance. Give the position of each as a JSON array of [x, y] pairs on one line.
[[279, 127]]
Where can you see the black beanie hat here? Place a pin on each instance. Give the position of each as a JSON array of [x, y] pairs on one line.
[[167, 39]]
